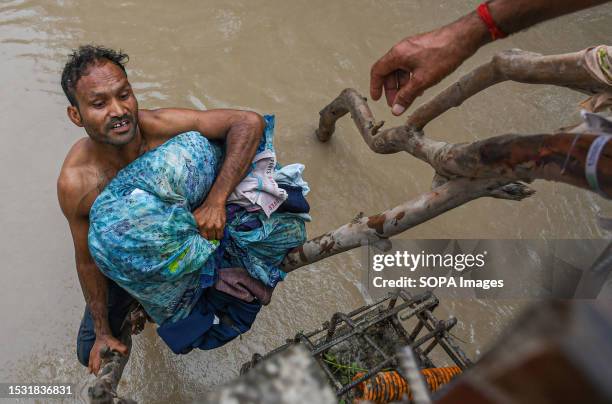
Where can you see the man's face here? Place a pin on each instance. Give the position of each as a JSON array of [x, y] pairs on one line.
[[107, 107]]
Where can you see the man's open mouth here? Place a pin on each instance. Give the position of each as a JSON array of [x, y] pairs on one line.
[[121, 124]]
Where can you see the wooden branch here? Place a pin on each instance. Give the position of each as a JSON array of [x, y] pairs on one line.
[[351, 101], [104, 388], [557, 157], [566, 70], [377, 228], [491, 167], [511, 157]]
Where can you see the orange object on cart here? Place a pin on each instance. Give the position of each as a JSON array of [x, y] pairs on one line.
[[389, 386]]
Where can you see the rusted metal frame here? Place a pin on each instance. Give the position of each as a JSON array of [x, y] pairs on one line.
[[359, 330], [356, 331], [420, 306], [320, 361], [440, 328], [335, 320], [393, 296], [327, 345], [392, 299], [328, 325], [450, 323], [430, 347], [417, 330], [427, 296], [445, 341], [400, 330], [257, 357], [361, 334]]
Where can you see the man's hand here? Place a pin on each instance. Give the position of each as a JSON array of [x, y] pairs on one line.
[[242, 132], [95, 357], [210, 218], [421, 61]]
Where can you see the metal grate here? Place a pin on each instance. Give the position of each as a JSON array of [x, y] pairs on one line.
[[373, 335]]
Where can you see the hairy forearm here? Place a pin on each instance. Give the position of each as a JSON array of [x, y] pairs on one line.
[[241, 144], [95, 289], [512, 16], [515, 15]]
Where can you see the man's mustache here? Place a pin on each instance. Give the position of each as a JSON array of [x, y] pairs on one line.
[[115, 121]]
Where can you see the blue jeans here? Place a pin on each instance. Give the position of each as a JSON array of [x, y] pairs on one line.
[[119, 302]]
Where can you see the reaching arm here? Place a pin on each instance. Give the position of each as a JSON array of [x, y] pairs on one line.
[[241, 130], [418, 62], [93, 283]]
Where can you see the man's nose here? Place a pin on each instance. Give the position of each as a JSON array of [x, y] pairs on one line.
[[117, 109]]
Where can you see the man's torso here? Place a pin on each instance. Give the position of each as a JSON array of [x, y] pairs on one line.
[[86, 168]]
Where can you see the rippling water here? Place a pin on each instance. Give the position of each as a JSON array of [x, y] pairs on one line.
[[287, 58]]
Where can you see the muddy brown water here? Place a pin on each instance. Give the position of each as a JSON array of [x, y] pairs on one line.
[[287, 58]]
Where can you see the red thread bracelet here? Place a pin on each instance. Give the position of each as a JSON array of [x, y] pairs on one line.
[[485, 16]]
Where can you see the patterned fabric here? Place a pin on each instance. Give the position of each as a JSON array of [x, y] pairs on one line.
[[597, 61], [143, 236]]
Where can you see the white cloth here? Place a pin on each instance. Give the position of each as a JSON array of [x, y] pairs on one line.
[[259, 189], [291, 174]]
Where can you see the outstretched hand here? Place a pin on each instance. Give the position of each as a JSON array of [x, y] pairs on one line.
[[418, 62], [95, 355], [210, 219]]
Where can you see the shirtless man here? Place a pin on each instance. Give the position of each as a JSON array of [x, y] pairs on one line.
[[103, 103]]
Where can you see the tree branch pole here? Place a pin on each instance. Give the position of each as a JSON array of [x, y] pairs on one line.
[[566, 70], [463, 172], [103, 390], [378, 228]]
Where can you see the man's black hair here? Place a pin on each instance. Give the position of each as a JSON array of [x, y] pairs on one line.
[[81, 59]]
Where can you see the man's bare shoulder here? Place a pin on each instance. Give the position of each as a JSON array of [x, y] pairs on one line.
[[159, 125], [78, 181], [151, 124]]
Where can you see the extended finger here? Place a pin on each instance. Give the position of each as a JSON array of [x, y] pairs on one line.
[[94, 364], [406, 95], [204, 233], [391, 87], [379, 71]]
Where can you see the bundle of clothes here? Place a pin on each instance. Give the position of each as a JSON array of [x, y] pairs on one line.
[[144, 237]]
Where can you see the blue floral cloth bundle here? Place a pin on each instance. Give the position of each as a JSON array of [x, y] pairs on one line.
[[143, 235]]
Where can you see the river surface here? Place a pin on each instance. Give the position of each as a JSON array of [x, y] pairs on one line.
[[289, 58]]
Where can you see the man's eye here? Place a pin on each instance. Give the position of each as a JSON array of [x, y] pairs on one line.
[[98, 104], [124, 95]]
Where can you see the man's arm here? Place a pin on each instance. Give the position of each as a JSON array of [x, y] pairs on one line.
[[93, 283], [418, 62], [242, 131]]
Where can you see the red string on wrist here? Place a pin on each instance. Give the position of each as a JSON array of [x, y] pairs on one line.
[[485, 16]]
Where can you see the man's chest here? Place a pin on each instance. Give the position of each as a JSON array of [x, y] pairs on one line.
[[101, 175], [98, 180]]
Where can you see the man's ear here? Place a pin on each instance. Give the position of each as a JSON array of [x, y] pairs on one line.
[[74, 115]]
